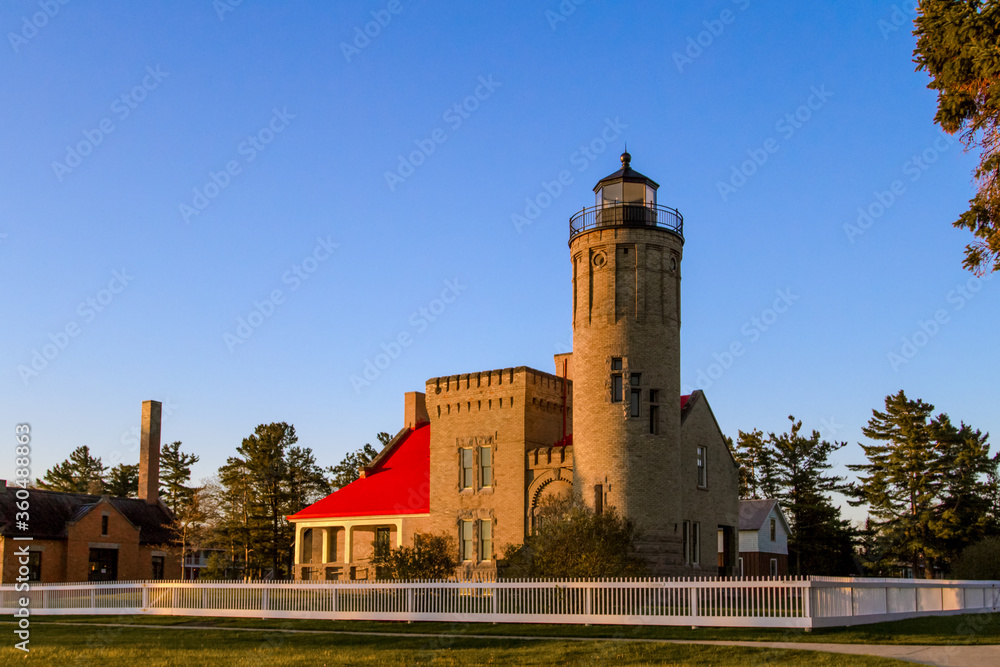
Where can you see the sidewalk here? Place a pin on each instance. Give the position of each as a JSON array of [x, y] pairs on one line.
[[947, 656]]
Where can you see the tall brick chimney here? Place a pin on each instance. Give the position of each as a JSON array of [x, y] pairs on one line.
[[415, 409], [149, 452]]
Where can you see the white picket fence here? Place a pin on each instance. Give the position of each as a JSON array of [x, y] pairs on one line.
[[808, 602]]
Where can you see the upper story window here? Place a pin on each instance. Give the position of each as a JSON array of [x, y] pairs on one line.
[[104, 524], [485, 467], [466, 463], [654, 411], [774, 530], [702, 465], [616, 379], [635, 398], [34, 566]]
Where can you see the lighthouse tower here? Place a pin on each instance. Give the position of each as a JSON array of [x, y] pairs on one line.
[[626, 254]]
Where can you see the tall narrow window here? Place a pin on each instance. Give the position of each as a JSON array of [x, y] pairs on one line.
[[635, 399], [466, 458], [104, 524], [382, 541], [35, 566], [686, 541], [702, 465], [616, 380], [774, 567], [654, 411], [695, 542], [774, 530], [157, 567], [485, 466], [598, 499], [466, 538], [486, 540]]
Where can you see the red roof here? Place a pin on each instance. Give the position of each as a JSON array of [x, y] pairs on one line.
[[398, 484], [684, 400]]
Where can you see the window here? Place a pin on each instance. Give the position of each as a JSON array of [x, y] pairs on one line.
[[157, 567], [774, 567], [616, 380], [686, 541], [485, 466], [739, 567], [636, 393], [34, 566], [702, 466], [306, 555], [598, 499], [103, 565], [774, 530], [466, 538], [485, 540], [654, 411], [466, 458], [382, 542], [104, 524], [695, 542]]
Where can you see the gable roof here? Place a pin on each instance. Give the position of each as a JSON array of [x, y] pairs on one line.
[[397, 481], [51, 510], [753, 513]]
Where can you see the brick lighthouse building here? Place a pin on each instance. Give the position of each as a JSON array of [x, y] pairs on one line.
[[479, 453], [626, 255]]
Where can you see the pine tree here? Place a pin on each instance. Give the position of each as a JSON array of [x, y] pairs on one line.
[[123, 481], [958, 44], [749, 452], [963, 516], [349, 467], [80, 473], [175, 473], [903, 480], [794, 470]]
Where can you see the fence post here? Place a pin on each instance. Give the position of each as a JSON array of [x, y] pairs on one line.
[[175, 595], [694, 601], [807, 601], [45, 598], [265, 599], [93, 604], [145, 597], [588, 601], [409, 600]]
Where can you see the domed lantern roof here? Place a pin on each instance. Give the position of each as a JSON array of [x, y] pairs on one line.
[[626, 186]]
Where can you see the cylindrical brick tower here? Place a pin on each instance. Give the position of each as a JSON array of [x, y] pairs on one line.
[[626, 254]]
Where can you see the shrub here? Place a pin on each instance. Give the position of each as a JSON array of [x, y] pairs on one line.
[[430, 557], [979, 561]]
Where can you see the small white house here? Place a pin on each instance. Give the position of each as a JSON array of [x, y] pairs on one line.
[[764, 536]]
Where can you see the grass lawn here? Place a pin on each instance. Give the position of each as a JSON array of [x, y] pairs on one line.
[[70, 645], [932, 630]]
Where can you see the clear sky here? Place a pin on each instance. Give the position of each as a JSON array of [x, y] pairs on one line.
[[232, 207]]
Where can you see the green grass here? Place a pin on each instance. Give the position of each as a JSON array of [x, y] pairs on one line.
[[932, 630], [55, 644]]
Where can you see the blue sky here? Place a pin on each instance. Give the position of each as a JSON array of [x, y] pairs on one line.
[[171, 169]]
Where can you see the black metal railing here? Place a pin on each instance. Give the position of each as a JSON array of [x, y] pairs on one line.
[[627, 215]]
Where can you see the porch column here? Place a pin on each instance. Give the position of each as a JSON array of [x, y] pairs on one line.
[[298, 544], [348, 543], [326, 544]]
